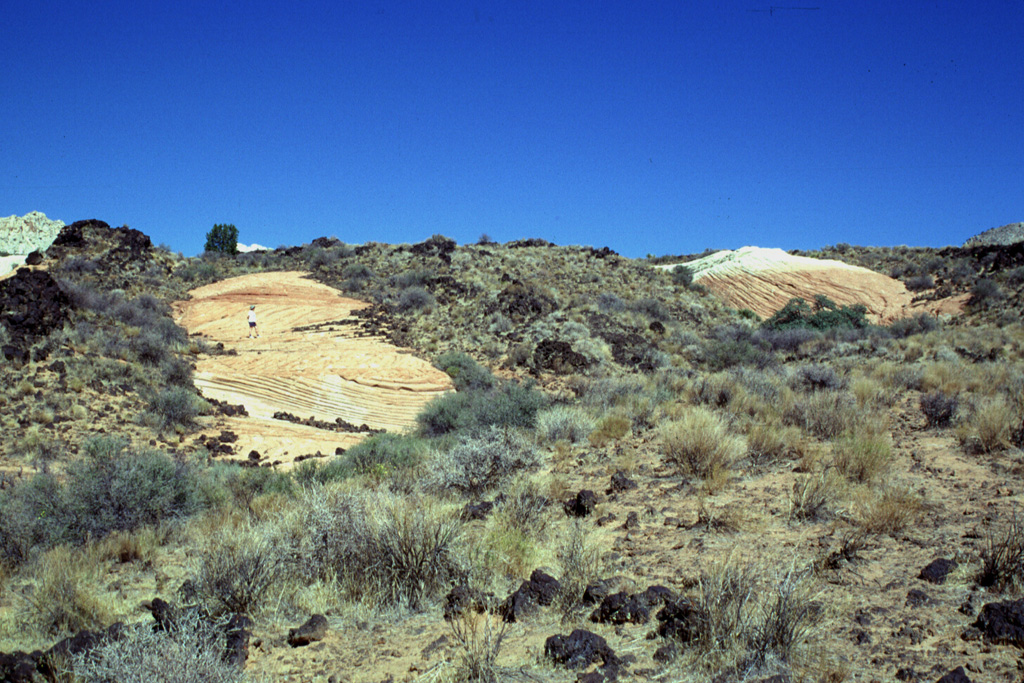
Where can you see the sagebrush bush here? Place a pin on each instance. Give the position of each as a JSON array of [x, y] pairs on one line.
[[381, 548], [817, 378], [66, 599], [817, 495], [237, 571], [564, 423], [415, 299], [769, 441], [476, 464], [579, 558], [939, 408], [699, 443], [825, 414], [862, 458], [176, 407], [190, 651], [384, 453], [465, 372], [509, 405]]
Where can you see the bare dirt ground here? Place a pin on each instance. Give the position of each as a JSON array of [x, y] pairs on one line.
[[308, 361]]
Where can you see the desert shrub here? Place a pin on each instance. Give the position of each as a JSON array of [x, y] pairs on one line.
[[150, 348], [788, 339], [385, 451], [223, 239], [477, 464], [175, 406], [918, 283], [610, 303], [114, 489], [1002, 561], [725, 600], [611, 427], [862, 458], [189, 651], [889, 511], [237, 571], [512, 405], [989, 427], [699, 444], [655, 309], [356, 275], [381, 548], [65, 599], [939, 408], [817, 377], [564, 423], [716, 390], [682, 276], [176, 372], [418, 277], [984, 293], [480, 635], [1015, 277], [465, 372], [448, 414], [79, 265], [579, 560], [414, 299], [788, 616], [824, 315], [721, 355], [917, 324], [769, 441], [523, 507], [825, 414], [322, 258], [816, 495]]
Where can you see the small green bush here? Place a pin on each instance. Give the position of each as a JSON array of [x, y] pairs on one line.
[[465, 372], [564, 423], [477, 464], [939, 408], [415, 299], [824, 315], [238, 571], [699, 444], [175, 406]]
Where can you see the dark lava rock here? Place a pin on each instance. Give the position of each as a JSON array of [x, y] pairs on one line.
[[32, 305], [236, 639], [621, 608], [1003, 622], [917, 598], [666, 653], [632, 520], [522, 302], [540, 590], [679, 620], [19, 667], [559, 358], [582, 505], [34, 258], [462, 598], [937, 570], [957, 675], [580, 649], [313, 630], [620, 482], [477, 510], [655, 596], [596, 592]]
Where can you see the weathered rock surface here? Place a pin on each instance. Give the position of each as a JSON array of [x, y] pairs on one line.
[[313, 630], [764, 280], [24, 234], [1002, 622], [302, 366]]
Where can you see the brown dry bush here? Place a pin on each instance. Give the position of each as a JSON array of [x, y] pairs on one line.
[[817, 495], [1002, 562], [699, 444], [825, 414], [65, 598], [862, 458], [889, 510]]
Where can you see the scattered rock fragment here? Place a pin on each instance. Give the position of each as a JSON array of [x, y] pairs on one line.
[[1002, 622], [621, 608], [620, 482], [937, 570], [582, 505], [540, 590], [957, 675], [580, 649], [313, 630]]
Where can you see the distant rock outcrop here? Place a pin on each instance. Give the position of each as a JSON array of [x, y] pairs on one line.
[[1004, 235], [22, 235], [764, 280], [28, 233]]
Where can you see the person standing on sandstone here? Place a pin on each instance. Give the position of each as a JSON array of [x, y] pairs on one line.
[[252, 322]]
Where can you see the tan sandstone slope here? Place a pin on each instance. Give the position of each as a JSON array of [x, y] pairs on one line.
[[764, 280], [326, 372]]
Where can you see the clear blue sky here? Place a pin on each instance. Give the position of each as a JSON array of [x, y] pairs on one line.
[[651, 127]]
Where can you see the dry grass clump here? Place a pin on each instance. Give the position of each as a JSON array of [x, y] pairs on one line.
[[64, 596], [564, 423], [816, 495], [1002, 562], [238, 570], [989, 426], [610, 428], [771, 441], [826, 414], [699, 444], [752, 620], [481, 636], [579, 559], [889, 510], [862, 458]]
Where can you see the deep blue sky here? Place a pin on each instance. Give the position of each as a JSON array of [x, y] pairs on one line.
[[651, 127]]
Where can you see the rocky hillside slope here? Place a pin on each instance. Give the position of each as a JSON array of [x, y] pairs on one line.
[[1004, 235]]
